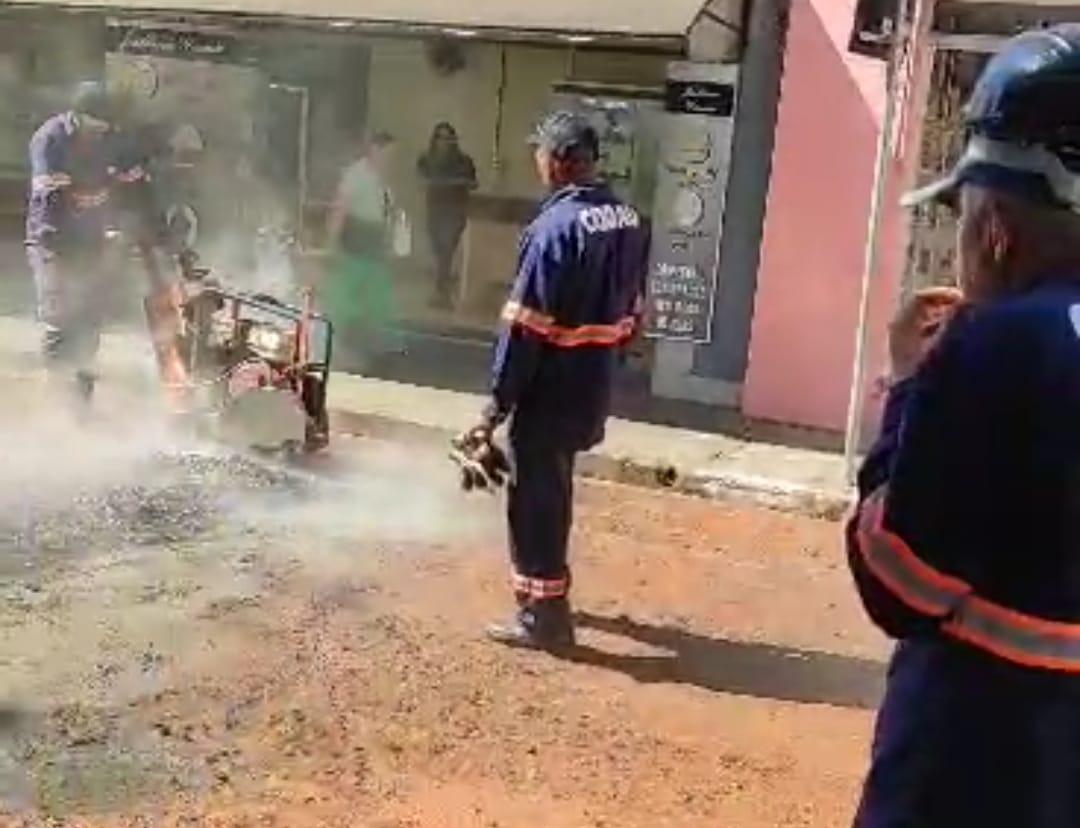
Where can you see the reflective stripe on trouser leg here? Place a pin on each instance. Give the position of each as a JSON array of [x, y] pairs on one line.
[[540, 511]]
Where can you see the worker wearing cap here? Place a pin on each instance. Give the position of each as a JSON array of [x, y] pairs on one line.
[[966, 544], [580, 273], [72, 169]]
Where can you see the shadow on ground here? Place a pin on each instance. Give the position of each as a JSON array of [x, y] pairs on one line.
[[759, 670]]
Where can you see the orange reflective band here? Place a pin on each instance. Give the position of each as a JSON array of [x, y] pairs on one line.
[[913, 581], [1004, 632], [1014, 636], [50, 182], [95, 198], [546, 328], [540, 588], [130, 176]]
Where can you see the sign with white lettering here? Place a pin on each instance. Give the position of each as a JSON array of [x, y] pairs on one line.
[[700, 98], [185, 45], [695, 158]]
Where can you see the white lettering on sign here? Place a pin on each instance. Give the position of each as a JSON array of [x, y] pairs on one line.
[[169, 43], [679, 280], [608, 218]]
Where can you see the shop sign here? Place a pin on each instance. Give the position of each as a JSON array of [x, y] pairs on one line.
[[682, 281], [184, 45], [700, 98], [680, 301]]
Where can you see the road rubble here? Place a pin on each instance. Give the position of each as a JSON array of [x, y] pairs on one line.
[[196, 637]]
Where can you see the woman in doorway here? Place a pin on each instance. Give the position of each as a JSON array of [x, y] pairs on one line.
[[449, 176], [359, 296]]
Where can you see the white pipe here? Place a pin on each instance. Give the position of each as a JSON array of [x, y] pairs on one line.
[[857, 399], [302, 151]]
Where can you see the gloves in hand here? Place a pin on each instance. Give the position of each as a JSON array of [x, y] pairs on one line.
[[483, 464]]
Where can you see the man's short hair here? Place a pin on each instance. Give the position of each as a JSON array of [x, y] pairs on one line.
[[568, 136]]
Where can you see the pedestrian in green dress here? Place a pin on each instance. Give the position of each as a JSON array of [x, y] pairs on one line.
[[359, 296]]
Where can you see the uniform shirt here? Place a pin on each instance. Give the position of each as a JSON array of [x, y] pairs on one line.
[[69, 186], [365, 196], [581, 271], [368, 210], [980, 454]]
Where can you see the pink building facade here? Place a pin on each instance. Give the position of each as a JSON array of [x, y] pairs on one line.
[[832, 111]]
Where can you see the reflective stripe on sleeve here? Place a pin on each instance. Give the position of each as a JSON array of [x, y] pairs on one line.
[[50, 182], [895, 564], [93, 198], [1016, 637], [545, 327], [996, 629], [130, 176]]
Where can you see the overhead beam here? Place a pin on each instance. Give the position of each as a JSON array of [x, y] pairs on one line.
[[1005, 19], [980, 43]]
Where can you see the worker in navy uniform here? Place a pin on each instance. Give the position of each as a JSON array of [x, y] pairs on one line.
[[572, 308], [69, 212], [966, 544]]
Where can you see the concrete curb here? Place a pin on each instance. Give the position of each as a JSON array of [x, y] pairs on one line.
[[706, 483], [711, 483]]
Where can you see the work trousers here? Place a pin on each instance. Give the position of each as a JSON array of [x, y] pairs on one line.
[[965, 739], [72, 299], [540, 512]]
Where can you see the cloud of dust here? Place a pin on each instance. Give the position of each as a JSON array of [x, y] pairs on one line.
[[376, 492], [48, 457], [362, 491]]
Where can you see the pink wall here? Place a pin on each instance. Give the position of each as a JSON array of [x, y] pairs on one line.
[[813, 247]]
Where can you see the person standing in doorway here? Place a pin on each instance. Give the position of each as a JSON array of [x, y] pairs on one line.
[[449, 175], [359, 295]]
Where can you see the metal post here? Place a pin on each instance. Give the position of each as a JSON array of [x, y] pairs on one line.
[[302, 151], [302, 187], [857, 400]]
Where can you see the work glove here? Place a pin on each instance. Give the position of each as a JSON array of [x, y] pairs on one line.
[[483, 464]]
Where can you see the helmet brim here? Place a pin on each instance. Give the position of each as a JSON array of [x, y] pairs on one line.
[[943, 191]]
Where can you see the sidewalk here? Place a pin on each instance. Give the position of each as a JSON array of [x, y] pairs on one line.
[[694, 462], [703, 464]]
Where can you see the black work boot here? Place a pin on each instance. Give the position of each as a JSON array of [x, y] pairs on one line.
[[538, 625]]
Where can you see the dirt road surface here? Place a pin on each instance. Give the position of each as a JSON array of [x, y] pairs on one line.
[[188, 638]]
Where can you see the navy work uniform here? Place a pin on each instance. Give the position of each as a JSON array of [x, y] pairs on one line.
[[966, 546], [580, 273], [73, 172]]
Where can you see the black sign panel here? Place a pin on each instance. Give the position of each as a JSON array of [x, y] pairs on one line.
[[185, 45], [683, 267], [700, 98], [679, 302], [875, 22]]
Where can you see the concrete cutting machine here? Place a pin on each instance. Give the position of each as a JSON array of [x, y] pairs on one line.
[[252, 368]]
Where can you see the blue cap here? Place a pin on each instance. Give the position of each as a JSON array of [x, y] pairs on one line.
[[1023, 123], [562, 133]]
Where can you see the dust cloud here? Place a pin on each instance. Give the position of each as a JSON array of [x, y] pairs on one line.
[[134, 481]]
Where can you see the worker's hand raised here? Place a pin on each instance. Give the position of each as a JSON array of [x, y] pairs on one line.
[[918, 327]]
